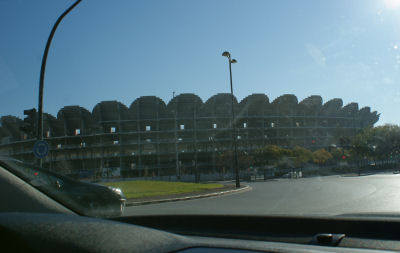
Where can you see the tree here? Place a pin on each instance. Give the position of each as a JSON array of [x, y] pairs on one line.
[[378, 143], [321, 156], [340, 154], [270, 154], [225, 160], [387, 142], [302, 156], [245, 160], [364, 144]]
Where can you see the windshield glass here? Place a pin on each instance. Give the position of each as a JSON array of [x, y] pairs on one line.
[[224, 107]]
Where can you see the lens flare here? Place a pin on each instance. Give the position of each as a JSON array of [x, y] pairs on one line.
[[391, 4]]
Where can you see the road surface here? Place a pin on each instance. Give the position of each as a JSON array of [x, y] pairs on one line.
[[332, 195]]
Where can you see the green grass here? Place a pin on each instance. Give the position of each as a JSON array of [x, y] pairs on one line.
[[141, 189]]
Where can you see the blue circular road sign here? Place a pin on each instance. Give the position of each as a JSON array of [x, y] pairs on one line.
[[40, 149]]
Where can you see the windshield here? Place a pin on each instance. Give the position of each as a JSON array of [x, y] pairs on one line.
[[204, 107]]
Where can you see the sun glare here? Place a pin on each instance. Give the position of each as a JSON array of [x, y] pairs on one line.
[[391, 4]]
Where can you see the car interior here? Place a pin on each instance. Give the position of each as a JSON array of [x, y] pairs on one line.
[[30, 221]]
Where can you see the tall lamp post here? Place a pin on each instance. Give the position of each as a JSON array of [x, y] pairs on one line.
[[42, 72], [236, 167]]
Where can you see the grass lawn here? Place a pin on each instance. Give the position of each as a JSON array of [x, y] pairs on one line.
[[140, 189]]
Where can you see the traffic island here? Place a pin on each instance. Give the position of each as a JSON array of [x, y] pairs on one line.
[[227, 189], [150, 192]]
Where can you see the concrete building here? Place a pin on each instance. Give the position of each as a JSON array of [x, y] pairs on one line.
[[152, 138]]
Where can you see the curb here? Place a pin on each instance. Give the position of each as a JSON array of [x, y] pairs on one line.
[[200, 196]]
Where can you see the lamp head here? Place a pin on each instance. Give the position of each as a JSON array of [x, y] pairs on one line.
[[226, 54], [233, 61]]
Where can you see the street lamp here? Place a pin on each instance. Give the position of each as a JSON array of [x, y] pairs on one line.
[[228, 55], [43, 70]]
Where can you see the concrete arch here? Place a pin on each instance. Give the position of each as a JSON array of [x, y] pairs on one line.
[[75, 117]]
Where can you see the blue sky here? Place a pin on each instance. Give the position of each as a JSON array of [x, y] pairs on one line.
[[121, 50]]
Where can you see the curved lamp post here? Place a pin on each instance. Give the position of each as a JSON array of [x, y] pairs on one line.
[[43, 69], [236, 167]]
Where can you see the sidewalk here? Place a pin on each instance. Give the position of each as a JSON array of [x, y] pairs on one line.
[[227, 189]]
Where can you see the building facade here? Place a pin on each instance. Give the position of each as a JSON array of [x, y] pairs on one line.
[[152, 138]]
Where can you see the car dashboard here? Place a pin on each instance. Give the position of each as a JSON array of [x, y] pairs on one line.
[[45, 232], [31, 221]]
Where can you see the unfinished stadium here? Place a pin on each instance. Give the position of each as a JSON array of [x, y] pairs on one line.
[[151, 137]]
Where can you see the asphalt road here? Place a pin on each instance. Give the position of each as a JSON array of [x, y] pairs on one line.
[[333, 195]]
